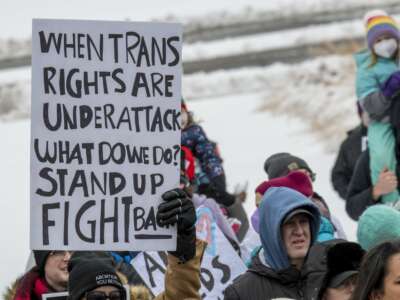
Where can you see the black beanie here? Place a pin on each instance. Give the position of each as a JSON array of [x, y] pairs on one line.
[[89, 272], [40, 259], [281, 164]]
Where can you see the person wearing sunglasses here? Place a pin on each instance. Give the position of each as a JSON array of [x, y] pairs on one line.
[[94, 278]]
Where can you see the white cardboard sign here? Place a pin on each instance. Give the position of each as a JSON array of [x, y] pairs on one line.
[[220, 265], [55, 296], [105, 133]]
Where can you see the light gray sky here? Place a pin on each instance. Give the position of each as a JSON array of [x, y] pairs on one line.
[[16, 15]]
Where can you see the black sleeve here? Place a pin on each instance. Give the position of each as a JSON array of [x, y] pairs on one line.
[[359, 196], [230, 293], [341, 173]]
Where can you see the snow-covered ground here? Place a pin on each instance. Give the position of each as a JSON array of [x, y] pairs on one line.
[[319, 92], [246, 137]]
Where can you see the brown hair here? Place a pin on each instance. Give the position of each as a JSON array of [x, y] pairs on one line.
[[374, 269]]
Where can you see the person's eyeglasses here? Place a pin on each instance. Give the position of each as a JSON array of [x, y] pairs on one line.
[[60, 253], [98, 295]]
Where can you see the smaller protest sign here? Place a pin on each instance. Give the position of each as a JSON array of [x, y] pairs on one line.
[[64, 295], [220, 265], [55, 296]]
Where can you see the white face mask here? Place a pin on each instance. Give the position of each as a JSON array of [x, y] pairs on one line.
[[385, 48]]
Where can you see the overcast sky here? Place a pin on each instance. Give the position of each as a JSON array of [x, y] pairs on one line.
[[16, 15]]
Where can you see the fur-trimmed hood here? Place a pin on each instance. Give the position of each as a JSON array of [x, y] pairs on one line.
[[11, 291]]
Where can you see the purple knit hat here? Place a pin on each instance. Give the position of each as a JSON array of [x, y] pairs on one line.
[[378, 23]]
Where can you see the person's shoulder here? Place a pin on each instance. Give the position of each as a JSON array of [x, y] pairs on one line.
[[248, 278], [363, 59], [358, 130], [353, 135]]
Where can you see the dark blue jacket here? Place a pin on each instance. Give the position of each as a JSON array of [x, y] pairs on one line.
[[203, 149]]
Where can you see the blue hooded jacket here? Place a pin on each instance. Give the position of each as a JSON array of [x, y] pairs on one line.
[[370, 79], [277, 202]]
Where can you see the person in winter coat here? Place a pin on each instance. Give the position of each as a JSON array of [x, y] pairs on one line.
[[188, 181], [349, 152], [343, 260], [289, 224], [212, 181], [378, 224], [377, 81], [281, 164], [362, 192], [379, 273], [93, 278], [50, 275], [182, 280], [300, 182]]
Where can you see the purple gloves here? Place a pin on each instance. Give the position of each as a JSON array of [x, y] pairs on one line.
[[391, 87]]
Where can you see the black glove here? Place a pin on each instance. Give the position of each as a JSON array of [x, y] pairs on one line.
[[178, 209]]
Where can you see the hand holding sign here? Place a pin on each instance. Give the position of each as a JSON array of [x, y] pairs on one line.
[[178, 209]]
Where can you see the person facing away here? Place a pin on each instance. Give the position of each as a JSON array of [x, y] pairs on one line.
[[377, 81], [289, 224], [210, 175], [212, 181], [379, 223]]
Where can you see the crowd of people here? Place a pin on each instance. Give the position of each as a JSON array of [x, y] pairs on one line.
[[293, 245]]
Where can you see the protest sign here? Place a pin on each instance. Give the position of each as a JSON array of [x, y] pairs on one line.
[[220, 265], [64, 295], [105, 133], [55, 296]]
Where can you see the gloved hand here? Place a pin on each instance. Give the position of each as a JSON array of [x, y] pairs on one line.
[[178, 208], [391, 87]]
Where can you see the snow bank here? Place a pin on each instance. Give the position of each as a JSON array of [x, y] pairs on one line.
[[320, 92], [14, 47], [268, 11]]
